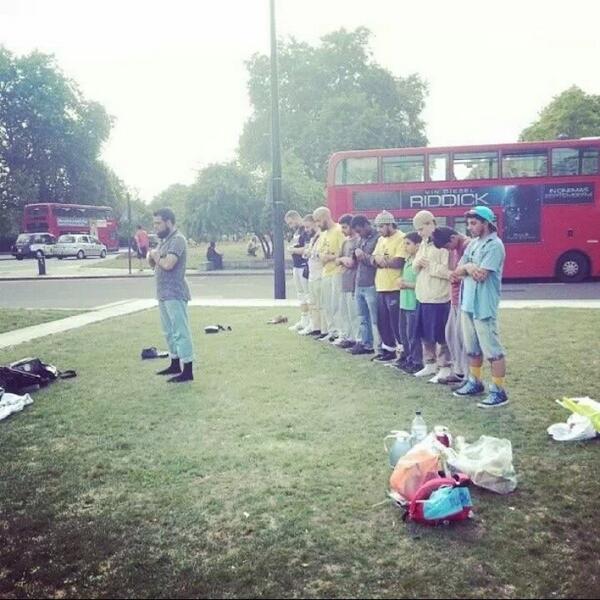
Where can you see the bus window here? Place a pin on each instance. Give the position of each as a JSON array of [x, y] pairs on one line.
[[589, 161], [525, 164], [356, 170], [565, 161], [36, 211], [397, 169], [438, 167], [475, 165]]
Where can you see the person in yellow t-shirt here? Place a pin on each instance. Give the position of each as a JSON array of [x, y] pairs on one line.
[[331, 243], [388, 257]]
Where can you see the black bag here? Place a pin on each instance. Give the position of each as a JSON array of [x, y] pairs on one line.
[[30, 372]]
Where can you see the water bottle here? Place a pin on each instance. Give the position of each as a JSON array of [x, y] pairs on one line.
[[418, 428]]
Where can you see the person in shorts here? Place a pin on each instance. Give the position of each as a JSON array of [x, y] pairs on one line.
[[480, 269]]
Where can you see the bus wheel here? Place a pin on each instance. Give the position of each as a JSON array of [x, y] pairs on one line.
[[80, 255], [573, 267]]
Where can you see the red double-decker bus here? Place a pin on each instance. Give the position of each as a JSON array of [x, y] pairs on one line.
[[545, 196], [58, 219]]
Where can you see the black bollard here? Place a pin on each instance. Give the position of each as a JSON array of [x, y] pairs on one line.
[[41, 265]]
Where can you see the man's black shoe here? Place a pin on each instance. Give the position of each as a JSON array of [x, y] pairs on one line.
[[315, 333], [186, 374], [360, 349], [174, 369], [384, 356], [345, 345]]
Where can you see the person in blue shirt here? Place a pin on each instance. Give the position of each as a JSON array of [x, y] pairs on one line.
[[481, 272]]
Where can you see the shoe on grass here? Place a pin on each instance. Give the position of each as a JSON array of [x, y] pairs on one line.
[[358, 349], [427, 371], [471, 387], [496, 397]]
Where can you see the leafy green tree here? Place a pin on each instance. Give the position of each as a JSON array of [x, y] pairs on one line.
[[333, 96], [50, 139], [572, 113], [176, 198]]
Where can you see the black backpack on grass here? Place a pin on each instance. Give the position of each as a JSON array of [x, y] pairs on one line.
[[28, 373]]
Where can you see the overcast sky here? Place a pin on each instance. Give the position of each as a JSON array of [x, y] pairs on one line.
[[173, 76]]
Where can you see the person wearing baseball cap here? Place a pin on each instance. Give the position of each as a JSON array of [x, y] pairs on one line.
[[388, 257], [480, 268]]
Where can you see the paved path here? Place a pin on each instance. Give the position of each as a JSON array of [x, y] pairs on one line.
[[117, 309]]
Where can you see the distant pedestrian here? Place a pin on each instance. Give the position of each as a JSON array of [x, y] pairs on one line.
[[142, 243]]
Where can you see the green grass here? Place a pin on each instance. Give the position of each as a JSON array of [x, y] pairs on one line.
[[11, 319], [263, 477], [232, 251]]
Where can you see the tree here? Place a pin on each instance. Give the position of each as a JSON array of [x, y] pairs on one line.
[[229, 199], [50, 139], [572, 113], [333, 96], [176, 198], [223, 200]]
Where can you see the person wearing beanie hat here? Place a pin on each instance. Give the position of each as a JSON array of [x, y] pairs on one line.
[[480, 269], [388, 258], [433, 294]]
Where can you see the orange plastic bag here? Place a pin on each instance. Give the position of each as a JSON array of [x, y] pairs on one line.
[[413, 470]]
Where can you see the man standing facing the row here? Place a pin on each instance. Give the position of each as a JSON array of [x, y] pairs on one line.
[[173, 293], [296, 249]]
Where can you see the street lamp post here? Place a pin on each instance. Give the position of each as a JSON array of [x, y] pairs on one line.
[[279, 262], [129, 230]]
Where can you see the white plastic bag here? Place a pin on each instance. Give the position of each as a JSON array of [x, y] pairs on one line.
[[12, 403], [576, 429], [488, 462]]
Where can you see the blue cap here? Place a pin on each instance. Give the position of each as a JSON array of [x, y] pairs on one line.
[[483, 212]]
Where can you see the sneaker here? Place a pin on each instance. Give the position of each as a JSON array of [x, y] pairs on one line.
[[333, 338], [297, 327], [496, 397], [451, 379], [345, 345], [360, 349], [442, 373], [428, 370], [471, 387], [322, 336], [315, 333], [384, 356]]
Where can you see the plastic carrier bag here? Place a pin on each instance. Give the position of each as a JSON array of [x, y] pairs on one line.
[[488, 463]]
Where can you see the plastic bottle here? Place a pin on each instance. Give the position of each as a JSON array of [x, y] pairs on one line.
[[418, 428]]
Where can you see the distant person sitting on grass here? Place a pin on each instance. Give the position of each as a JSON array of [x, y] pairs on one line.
[[252, 246], [213, 257], [173, 293]]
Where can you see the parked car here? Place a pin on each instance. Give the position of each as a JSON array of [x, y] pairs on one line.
[[80, 246], [29, 245]]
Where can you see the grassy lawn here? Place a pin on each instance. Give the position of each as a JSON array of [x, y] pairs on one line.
[[11, 319], [263, 477], [196, 255]]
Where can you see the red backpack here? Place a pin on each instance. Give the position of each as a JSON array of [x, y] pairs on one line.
[[440, 501]]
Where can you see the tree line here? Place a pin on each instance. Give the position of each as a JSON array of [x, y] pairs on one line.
[[333, 96]]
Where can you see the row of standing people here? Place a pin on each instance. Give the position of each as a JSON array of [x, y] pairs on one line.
[[425, 302]]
